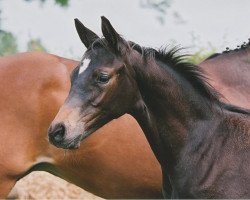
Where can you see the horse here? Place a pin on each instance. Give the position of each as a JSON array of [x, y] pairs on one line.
[[229, 73], [201, 143], [34, 86]]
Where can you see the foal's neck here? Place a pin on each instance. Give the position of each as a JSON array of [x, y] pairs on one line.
[[170, 109]]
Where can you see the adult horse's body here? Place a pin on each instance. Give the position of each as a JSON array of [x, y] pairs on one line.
[[34, 85], [229, 73], [202, 144]]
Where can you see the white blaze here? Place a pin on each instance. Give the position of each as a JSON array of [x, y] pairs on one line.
[[84, 65]]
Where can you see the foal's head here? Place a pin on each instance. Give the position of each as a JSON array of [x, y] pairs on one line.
[[103, 87]]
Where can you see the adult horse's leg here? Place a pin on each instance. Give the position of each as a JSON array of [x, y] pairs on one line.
[[14, 164], [6, 185]]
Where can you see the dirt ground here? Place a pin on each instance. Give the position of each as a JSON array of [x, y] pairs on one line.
[[42, 185]]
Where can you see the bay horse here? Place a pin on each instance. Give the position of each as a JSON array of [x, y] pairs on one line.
[[34, 85], [201, 143]]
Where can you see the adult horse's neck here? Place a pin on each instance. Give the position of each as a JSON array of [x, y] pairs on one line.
[[169, 111]]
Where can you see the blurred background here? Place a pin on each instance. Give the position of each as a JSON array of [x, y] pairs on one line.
[[203, 27], [47, 25]]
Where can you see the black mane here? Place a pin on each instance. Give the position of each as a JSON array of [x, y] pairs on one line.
[[179, 63]]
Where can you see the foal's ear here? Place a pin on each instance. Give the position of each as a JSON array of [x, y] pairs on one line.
[[110, 34], [87, 36]]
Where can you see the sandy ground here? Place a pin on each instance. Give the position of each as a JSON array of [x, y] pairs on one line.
[[42, 185]]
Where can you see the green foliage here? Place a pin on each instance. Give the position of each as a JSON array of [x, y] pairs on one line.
[[8, 44], [63, 3], [160, 6], [35, 45], [201, 55]]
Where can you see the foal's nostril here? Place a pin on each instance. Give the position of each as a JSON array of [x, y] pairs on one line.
[[57, 135]]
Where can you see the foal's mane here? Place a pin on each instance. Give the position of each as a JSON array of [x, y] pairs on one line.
[[193, 73], [172, 57]]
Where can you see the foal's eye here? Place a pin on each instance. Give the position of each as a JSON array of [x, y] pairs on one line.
[[103, 78]]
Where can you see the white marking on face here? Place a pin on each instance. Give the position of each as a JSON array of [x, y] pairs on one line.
[[84, 65]]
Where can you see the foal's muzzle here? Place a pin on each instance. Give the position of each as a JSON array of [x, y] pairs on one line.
[[57, 134]]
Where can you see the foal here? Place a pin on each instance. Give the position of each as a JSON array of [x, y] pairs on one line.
[[201, 143]]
